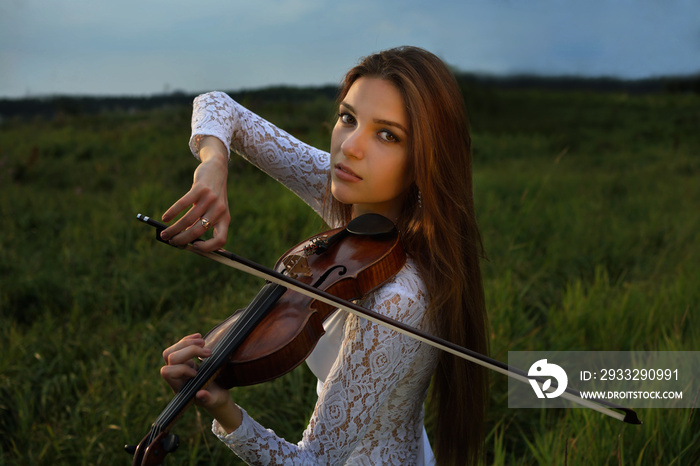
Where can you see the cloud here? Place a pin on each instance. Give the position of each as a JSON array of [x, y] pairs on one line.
[[81, 45]]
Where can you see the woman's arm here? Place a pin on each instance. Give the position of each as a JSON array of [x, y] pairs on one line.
[[299, 166], [220, 123]]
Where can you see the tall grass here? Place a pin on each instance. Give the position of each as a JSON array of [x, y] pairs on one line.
[[588, 210]]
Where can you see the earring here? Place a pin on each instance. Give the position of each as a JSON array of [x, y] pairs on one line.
[[420, 200]]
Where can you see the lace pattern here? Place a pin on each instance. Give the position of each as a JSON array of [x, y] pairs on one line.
[[370, 409]]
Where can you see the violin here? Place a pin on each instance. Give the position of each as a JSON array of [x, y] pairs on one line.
[[280, 327], [329, 263]]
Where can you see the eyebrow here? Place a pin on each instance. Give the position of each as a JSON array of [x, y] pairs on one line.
[[378, 120]]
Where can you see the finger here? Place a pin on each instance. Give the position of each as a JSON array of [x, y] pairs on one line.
[[181, 372], [186, 230], [220, 212], [184, 224], [180, 205], [194, 339], [217, 241], [210, 398], [186, 354], [201, 199], [177, 376], [217, 216], [203, 397], [192, 225], [178, 347]]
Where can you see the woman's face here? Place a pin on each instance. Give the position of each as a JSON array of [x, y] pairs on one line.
[[369, 149]]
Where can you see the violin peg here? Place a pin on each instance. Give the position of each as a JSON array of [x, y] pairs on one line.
[[170, 443]]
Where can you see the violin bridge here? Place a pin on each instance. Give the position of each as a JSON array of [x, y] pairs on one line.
[[297, 266]]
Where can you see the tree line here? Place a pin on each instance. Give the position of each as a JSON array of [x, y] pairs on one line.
[[50, 106]]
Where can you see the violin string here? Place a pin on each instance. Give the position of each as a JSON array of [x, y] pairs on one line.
[[194, 384], [188, 391], [206, 370]]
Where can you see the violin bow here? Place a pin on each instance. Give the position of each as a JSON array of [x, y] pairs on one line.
[[242, 264]]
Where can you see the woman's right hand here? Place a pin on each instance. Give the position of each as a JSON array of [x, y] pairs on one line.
[[207, 198]]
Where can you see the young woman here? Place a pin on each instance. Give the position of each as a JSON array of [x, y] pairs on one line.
[[400, 148]]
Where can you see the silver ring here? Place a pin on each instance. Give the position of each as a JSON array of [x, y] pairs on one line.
[[205, 223]]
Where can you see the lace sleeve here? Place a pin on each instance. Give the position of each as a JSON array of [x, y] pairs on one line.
[[301, 168], [370, 409]]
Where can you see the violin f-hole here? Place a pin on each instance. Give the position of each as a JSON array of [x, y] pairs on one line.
[[342, 270]]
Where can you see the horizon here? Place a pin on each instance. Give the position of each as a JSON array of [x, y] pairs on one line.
[[574, 82]]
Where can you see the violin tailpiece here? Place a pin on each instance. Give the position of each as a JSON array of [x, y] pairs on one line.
[[317, 245]]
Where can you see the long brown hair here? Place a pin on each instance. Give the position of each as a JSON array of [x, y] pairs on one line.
[[439, 230]]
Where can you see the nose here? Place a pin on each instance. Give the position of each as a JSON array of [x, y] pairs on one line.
[[354, 145]]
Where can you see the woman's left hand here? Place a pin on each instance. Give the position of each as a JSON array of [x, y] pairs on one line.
[[180, 367]]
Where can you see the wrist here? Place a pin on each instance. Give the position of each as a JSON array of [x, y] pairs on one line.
[[212, 149], [228, 415]]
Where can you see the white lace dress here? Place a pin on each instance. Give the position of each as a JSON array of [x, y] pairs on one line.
[[372, 381]]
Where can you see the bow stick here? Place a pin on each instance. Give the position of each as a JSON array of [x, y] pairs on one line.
[[240, 263]]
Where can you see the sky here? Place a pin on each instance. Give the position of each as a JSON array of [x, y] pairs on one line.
[[144, 47]]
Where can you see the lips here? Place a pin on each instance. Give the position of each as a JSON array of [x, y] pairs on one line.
[[344, 173]]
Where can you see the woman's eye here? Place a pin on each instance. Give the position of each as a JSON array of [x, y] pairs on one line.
[[346, 118], [387, 136]]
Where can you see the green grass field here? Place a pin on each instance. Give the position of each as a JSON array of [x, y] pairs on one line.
[[588, 206]]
